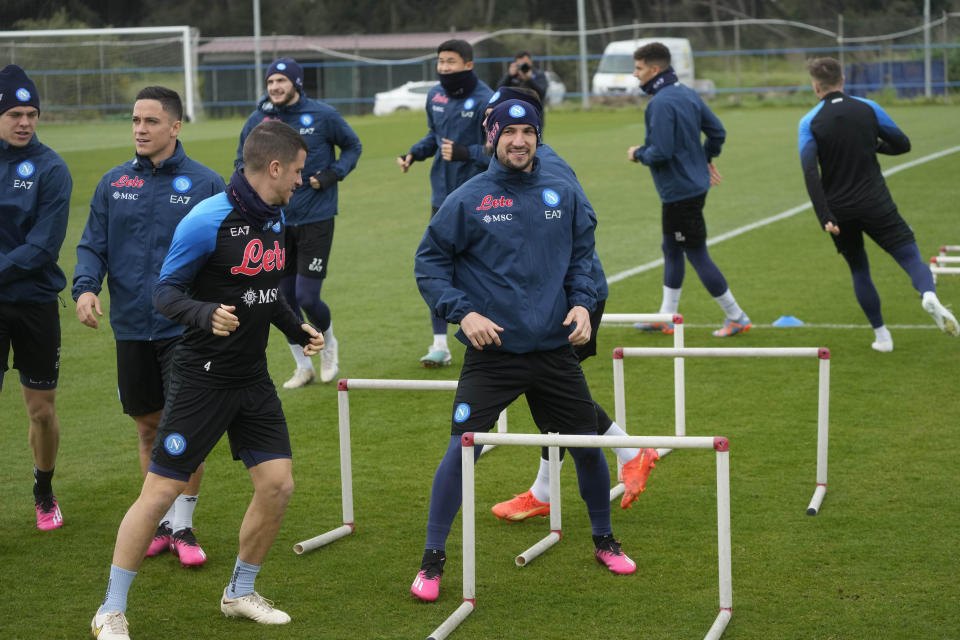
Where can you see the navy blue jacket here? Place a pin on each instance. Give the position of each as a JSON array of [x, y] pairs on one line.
[[460, 120], [133, 213], [843, 135], [551, 161], [324, 129], [678, 160], [515, 247], [35, 187]]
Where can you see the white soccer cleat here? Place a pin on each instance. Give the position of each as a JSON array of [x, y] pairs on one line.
[[253, 606], [109, 625], [941, 315], [883, 346], [329, 360], [301, 378]]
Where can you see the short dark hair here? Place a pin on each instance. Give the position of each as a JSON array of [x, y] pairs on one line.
[[168, 98], [523, 54], [826, 71], [655, 53], [461, 47], [268, 141]]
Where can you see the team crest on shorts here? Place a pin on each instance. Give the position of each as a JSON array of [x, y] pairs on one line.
[[175, 444], [461, 413]]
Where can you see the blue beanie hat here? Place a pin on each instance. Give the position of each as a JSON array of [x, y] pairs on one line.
[[511, 112], [289, 68], [16, 89], [509, 93]]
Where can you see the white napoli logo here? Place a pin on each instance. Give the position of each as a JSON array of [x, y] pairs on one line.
[[469, 103], [306, 119], [550, 197], [23, 94], [462, 412], [517, 111], [494, 98], [282, 66], [175, 444], [25, 169]]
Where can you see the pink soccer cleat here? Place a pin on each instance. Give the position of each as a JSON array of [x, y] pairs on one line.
[[184, 545], [609, 554], [426, 586], [161, 540], [48, 513]]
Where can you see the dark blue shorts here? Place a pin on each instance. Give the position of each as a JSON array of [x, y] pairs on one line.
[[683, 221], [33, 330], [889, 230], [143, 374], [308, 249]]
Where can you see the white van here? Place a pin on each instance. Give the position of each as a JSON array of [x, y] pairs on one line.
[[615, 74]]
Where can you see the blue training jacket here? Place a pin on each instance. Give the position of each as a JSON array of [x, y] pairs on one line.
[[515, 247], [675, 117], [133, 214], [460, 120], [35, 187], [324, 129]]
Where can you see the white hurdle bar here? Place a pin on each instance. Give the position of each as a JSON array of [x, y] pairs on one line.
[[720, 445], [949, 247], [344, 385], [937, 262], [823, 400], [629, 318]]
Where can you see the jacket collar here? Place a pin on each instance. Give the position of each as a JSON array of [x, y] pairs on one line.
[[169, 165]]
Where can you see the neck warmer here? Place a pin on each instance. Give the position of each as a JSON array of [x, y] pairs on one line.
[[459, 84], [659, 81], [248, 203]]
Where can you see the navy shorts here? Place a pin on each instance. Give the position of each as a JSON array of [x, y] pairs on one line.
[[143, 374], [552, 382], [588, 349], [683, 221], [889, 230], [308, 248], [33, 330], [195, 418]]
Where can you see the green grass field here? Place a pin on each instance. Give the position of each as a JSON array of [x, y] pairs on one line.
[[880, 561]]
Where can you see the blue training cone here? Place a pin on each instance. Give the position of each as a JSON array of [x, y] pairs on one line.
[[787, 321]]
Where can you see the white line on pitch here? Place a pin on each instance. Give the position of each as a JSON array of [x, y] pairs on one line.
[[783, 215], [803, 326]]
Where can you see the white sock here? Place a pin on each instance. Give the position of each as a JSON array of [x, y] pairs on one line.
[[303, 362], [883, 334], [541, 486], [729, 305], [183, 513], [168, 518], [625, 454], [439, 342], [328, 335], [929, 295], [671, 300]]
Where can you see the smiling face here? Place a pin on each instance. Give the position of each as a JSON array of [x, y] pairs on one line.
[[154, 130], [281, 91], [517, 146], [18, 124], [452, 62]]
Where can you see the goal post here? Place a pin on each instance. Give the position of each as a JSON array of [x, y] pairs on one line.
[[97, 72]]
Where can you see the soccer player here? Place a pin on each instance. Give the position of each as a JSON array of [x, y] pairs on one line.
[[637, 462], [221, 279], [516, 278], [455, 111], [133, 213], [311, 212], [34, 205], [839, 140], [683, 170]]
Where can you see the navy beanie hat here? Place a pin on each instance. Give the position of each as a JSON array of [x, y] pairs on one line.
[[16, 89], [509, 93], [289, 68], [511, 112]]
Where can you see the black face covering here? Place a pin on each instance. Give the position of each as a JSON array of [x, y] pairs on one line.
[[249, 203], [459, 84], [659, 81]]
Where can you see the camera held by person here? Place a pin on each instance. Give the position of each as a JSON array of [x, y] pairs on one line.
[[522, 73]]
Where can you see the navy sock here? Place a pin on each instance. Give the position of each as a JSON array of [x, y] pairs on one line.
[[593, 478], [673, 264], [308, 297], [908, 257], [863, 287], [446, 495], [707, 270], [42, 483], [438, 324]]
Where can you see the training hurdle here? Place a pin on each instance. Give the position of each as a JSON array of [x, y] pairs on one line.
[[344, 385], [554, 441], [823, 403], [937, 262]]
